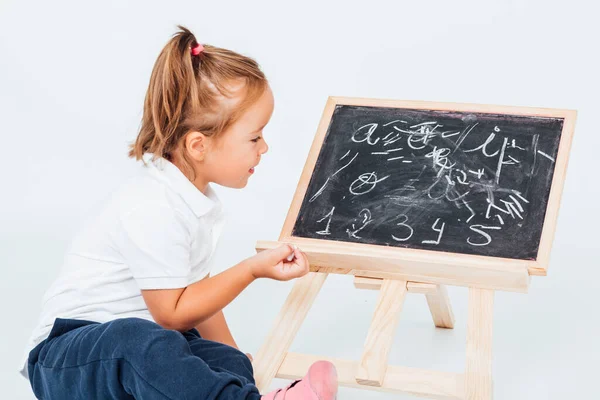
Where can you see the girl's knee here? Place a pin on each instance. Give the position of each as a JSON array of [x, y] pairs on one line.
[[130, 327], [140, 336], [241, 365]]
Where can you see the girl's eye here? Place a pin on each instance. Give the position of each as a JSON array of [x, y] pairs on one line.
[[256, 140]]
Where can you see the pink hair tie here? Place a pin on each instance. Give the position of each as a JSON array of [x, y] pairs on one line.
[[197, 50]]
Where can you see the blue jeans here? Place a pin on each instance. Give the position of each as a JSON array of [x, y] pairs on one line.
[[132, 358]]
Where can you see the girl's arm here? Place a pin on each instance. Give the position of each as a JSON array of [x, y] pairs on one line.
[[215, 328], [182, 309]]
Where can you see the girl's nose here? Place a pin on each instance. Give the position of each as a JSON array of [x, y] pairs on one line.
[[265, 148]]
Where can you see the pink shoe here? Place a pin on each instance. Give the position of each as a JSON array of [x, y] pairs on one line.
[[319, 383]]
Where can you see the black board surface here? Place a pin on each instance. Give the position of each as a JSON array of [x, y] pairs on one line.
[[461, 182]]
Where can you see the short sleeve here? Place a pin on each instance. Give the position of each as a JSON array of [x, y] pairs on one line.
[[155, 244]]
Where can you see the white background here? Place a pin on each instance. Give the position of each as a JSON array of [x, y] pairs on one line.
[[73, 77]]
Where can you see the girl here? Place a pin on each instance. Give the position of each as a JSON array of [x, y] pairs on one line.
[[134, 312]]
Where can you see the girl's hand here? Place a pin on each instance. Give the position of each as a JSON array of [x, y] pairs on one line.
[[249, 357], [273, 263]]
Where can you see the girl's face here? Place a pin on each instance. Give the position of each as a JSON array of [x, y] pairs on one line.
[[230, 160]]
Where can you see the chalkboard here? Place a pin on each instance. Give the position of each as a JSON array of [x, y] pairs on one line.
[[453, 181]]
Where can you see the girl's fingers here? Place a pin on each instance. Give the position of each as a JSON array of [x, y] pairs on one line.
[[303, 260], [294, 265], [290, 257], [296, 269]]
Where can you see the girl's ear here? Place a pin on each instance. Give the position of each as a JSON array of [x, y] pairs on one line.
[[197, 144]]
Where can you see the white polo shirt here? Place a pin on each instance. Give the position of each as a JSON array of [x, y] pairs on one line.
[[157, 231]]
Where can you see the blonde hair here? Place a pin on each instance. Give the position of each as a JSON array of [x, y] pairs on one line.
[[185, 94]]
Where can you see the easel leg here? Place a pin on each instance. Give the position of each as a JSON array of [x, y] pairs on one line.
[[374, 361], [441, 311], [270, 356], [478, 372]]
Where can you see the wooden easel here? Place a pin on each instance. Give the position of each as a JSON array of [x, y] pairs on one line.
[[396, 271], [372, 371]]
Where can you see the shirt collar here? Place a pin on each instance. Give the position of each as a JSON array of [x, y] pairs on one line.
[[168, 173]]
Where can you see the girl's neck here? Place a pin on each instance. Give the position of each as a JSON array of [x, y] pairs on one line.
[[200, 183]]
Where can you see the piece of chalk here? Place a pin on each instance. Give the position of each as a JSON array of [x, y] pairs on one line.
[[291, 256]]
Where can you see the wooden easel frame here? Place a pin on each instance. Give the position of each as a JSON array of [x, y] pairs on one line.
[[372, 371], [396, 271]]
